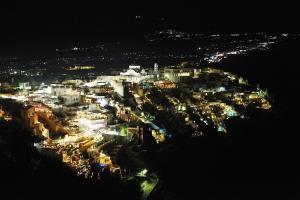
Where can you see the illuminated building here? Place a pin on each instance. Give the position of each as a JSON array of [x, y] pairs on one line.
[[1, 113], [24, 86], [180, 107], [40, 129], [158, 136], [75, 82], [33, 120], [66, 93], [178, 74], [101, 89], [135, 67], [130, 72], [115, 82], [118, 87], [126, 115], [76, 67], [242, 81], [7, 117], [86, 145], [71, 99], [164, 84], [197, 73], [212, 70], [61, 90], [155, 68], [103, 160], [31, 115], [133, 74], [88, 99], [92, 121]]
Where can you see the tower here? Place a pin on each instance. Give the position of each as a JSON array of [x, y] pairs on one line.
[[155, 69]]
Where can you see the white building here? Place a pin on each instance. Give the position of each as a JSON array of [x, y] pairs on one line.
[[115, 81], [92, 121], [138, 67], [134, 74], [76, 82], [71, 99], [60, 90], [155, 68], [67, 93], [24, 86]]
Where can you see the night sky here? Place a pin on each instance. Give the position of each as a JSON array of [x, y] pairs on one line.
[[59, 23]]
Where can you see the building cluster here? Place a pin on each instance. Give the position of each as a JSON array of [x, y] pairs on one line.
[[40, 119], [86, 123]]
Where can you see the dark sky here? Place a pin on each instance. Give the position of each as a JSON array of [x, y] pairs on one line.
[[53, 22]]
